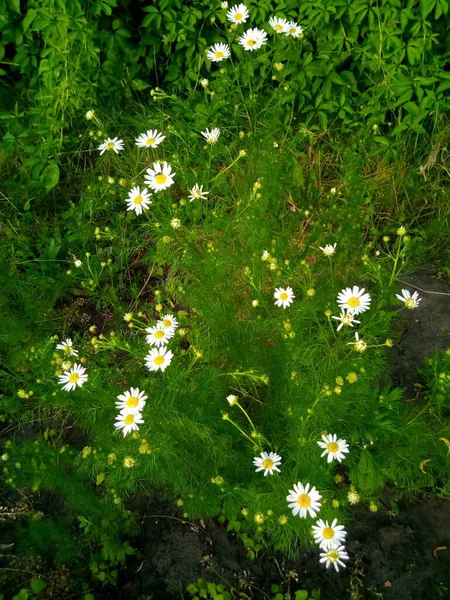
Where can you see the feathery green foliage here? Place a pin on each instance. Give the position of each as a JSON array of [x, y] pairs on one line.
[[298, 166]]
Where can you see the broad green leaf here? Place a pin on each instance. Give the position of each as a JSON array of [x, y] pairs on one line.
[[50, 176], [138, 84], [29, 18], [14, 5], [37, 585]]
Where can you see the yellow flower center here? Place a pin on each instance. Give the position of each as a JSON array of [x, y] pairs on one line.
[[332, 554], [167, 323], [292, 30], [284, 296], [150, 141], [74, 378], [332, 447], [159, 360], [353, 302], [278, 27], [159, 335], [304, 500], [132, 401], [251, 43], [219, 54], [410, 303], [267, 463], [238, 16], [138, 200], [129, 419], [328, 533], [110, 145], [161, 178]]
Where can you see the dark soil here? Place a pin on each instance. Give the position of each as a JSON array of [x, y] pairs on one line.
[[422, 331], [398, 558], [403, 557]]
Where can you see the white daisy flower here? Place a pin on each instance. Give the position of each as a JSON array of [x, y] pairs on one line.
[[160, 177], [132, 400], [111, 144], [238, 13], [204, 83], [128, 421], [334, 556], [90, 115], [211, 136], [253, 39], [284, 296], [328, 535], [278, 24], [138, 199], [217, 53], [333, 447], [267, 462], [68, 348], [159, 335], [169, 322], [410, 301], [197, 193], [346, 319], [158, 359], [176, 223], [328, 249], [232, 400], [151, 139], [294, 30], [73, 378], [304, 501], [354, 300], [77, 263], [360, 345]]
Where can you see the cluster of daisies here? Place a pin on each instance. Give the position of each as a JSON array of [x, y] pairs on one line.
[[352, 301], [304, 501], [74, 374], [159, 176], [253, 38], [157, 359], [130, 405]]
